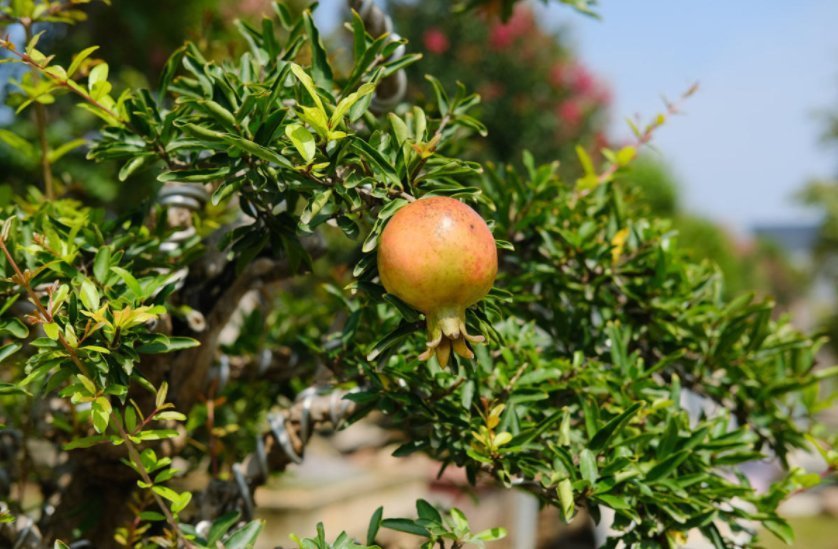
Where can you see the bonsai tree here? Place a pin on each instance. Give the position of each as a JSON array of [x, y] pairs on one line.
[[563, 376]]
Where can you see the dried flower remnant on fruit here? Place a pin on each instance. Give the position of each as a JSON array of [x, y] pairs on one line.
[[439, 256]]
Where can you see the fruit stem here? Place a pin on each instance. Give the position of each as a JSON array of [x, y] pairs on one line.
[[447, 331]]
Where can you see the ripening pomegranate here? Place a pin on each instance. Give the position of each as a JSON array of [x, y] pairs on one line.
[[438, 256]]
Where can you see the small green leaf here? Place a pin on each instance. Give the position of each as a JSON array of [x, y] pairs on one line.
[[781, 529], [375, 525], [51, 330], [79, 58], [101, 264], [317, 202], [88, 385], [404, 525], [129, 281], [14, 327], [320, 68], [308, 84], [347, 102], [588, 466], [245, 537], [100, 413], [613, 501], [302, 140], [220, 526], [85, 442], [565, 492], [170, 416], [427, 511], [8, 350], [667, 466], [604, 435], [89, 295]]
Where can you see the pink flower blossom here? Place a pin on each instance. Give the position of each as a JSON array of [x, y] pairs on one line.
[[503, 35], [570, 112], [581, 80], [435, 41]]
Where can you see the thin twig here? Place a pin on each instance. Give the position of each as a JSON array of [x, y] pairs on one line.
[[41, 125], [45, 314], [63, 82], [135, 458]]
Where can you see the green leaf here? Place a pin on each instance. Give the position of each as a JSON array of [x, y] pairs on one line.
[[318, 200], [347, 102], [220, 526], [19, 144], [308, 84], [166, 493], [390, 340], [377, 159], [100, 413], [667, 466], [427, 511], [9, 389], [129, 281], [245, 537], [14, 327], [79, 58], [98, 74], [85, 442], [56, 154], [182, 502], [302, 140], [8, 350], [170, 415], [404, 525], [101, 264], [88, 385], [166, 344], [320, 68], [256, 150], [441, 96], [565, 493], [613, 501], [604, 435], [375, 525], [89, 295], [781, 529], [588, 466], [492, 534], [195, 176], [51, 329]]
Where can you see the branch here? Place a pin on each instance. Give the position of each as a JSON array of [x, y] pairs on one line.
[[294, 426], [218, 299], [61, 82]]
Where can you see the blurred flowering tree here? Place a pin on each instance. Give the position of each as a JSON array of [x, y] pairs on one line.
[[537, 95]]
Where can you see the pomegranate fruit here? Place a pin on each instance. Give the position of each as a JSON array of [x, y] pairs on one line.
[[438, 256]]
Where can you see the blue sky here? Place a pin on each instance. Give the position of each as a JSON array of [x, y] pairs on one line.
[[750, 138]]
